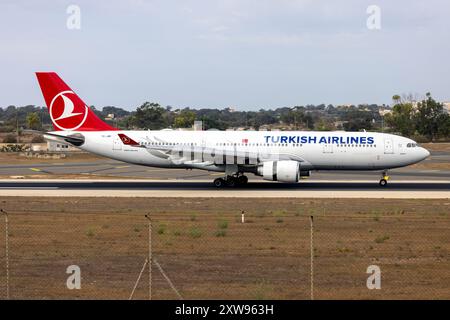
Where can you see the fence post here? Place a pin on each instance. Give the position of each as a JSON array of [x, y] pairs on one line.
[[312, 257], [150, 261], [6, 252]]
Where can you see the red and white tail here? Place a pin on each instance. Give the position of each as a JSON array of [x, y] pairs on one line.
[[67, 110]]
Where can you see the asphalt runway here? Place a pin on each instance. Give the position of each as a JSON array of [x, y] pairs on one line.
[[123, 170], [117, 169], [162, 188], [122, 179]]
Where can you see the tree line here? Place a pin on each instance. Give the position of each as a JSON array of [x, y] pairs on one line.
[[425, 118]]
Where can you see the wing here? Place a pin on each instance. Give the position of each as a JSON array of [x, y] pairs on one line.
[[203, 156]]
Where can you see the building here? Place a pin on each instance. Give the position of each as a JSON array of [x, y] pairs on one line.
[[447, 107], [55, 146], [384, 111], [198, 125]]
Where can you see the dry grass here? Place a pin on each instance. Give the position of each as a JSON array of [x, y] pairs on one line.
[[18, 158], [208, 253], [437, 146]]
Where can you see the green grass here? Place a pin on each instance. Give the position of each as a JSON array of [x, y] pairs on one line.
[[221, 233], [223, 224], [382, 239], [161, 229], [90, 233], [195, 233]]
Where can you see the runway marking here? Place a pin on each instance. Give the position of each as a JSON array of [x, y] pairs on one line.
[[35, 169], [225, 194], [121, 167], [88, 188], [154, 170], [30, 188]]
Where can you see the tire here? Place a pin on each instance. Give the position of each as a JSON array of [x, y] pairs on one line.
[[231, 182], [242, 180], [219, 182], [383, 182]]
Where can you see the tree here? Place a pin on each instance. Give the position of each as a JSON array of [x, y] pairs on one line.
[[184, 119], [33, 121], [149, 116], [358, 120], [402, 117], [431, 119], [396, 98]]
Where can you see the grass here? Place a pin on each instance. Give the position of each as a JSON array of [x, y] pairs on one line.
[[162, 229], [382, 239], [195, 232], [90, 233], [223, 224], [221, 233], [262, 291]]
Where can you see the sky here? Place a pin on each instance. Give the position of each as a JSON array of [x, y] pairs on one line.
[[246, 54]]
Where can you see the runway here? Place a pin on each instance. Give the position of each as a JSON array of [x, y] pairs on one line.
[[425, 189], [109, 178]]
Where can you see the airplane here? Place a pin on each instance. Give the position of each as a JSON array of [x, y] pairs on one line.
[[283, 156]]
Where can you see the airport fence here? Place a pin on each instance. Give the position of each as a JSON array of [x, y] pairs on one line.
[[226, 256]]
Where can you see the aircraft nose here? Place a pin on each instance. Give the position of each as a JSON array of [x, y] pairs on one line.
[[425, 153]]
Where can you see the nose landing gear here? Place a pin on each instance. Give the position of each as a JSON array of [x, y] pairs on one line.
[[384, 179]]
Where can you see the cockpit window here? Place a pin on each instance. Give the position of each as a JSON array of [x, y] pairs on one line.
[[412, 145]]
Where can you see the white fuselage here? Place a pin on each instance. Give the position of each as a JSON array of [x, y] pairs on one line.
[[324, 150]]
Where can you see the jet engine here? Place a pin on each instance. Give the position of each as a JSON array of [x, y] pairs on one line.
[[283, 171]]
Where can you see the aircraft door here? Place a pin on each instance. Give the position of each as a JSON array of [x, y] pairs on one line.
[[388, 146], [117, 144]]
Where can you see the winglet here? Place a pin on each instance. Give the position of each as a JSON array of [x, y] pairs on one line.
[[128, 141]]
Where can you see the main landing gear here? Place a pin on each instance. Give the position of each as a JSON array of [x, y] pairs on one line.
[[231, 181], [384, 179]]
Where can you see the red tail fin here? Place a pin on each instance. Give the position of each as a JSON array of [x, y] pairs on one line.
[[67, 110]]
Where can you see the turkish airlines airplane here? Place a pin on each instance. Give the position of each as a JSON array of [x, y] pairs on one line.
[[284, 156]]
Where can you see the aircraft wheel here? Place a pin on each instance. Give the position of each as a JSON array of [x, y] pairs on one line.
[[219, 182], [242, 180], [231, 182], [383, 182]]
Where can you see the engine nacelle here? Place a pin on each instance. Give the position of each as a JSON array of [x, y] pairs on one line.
[[283, 171]]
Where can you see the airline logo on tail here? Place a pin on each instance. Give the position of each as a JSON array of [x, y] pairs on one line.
[[62, 108], [67, 111]]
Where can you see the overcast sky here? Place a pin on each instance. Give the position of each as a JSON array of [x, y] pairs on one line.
[[248, 54]]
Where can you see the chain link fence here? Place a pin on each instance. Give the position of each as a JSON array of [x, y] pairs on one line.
[[223, 256]]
